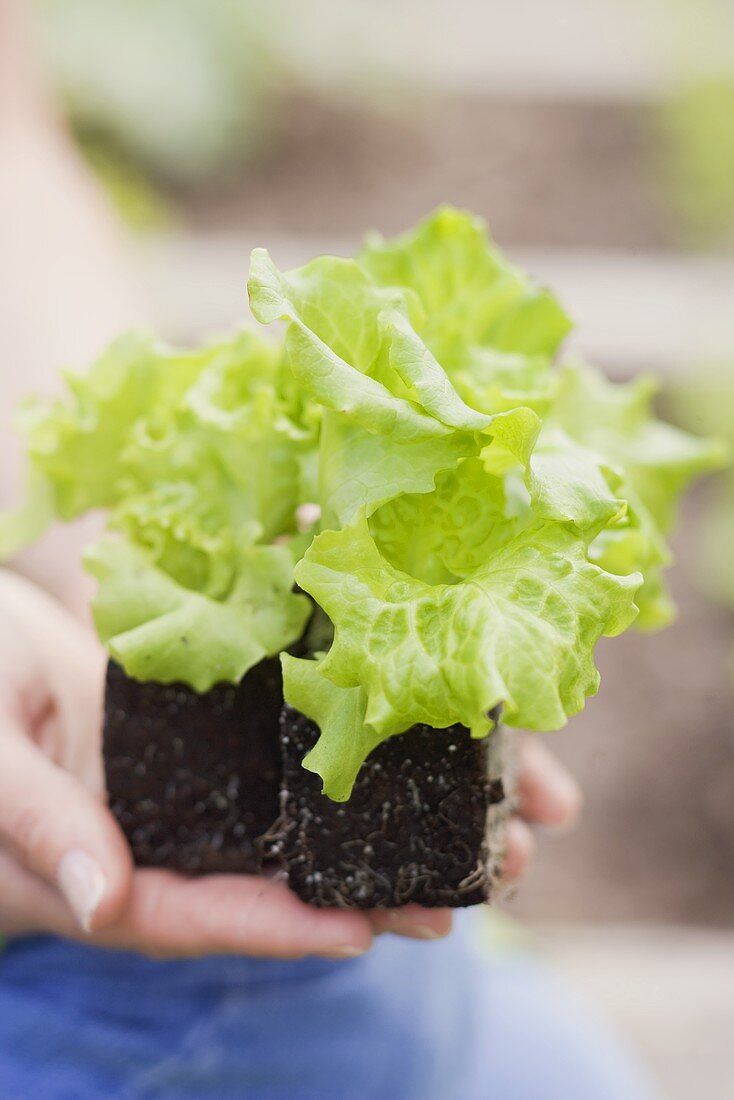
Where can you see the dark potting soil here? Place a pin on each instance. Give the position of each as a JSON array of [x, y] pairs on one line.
[[194, 779], [214, 783], [415, 828]]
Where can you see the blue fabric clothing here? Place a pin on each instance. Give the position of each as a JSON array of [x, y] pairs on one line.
[[408, 1021]]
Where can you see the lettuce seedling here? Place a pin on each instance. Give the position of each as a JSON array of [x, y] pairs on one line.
[[478, 512], [487, 516]]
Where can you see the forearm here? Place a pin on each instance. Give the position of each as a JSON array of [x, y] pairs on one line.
[[65, 278]]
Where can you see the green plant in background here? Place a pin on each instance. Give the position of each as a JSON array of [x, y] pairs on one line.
[[167, 94], [705, 402], [180, 87], [142, 206], [696, 126], [188, 90]]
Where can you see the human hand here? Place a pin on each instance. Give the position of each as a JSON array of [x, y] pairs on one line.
[[65, 867], [547, 795]]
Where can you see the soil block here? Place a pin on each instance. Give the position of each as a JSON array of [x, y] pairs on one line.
[[194, 779], [422, 825]]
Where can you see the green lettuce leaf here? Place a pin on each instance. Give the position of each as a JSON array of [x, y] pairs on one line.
[[496, 381], [79, 445], [573, 484], [200, 460], [352, 348], [470, 293], [360, 470], [145, 414], [160, 630], [345, 739], [616, 420], [655, 463], [392, 417], [193, 536], [485, 516], [518, 629]]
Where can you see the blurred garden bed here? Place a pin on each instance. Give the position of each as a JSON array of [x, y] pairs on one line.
[[654, 753], [544, 172]]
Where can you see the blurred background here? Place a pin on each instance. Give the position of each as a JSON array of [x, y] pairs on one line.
[[598, 141]]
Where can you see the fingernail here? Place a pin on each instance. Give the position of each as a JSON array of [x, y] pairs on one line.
[[421, 932], [399, 923], [347, 951], [83, 883]]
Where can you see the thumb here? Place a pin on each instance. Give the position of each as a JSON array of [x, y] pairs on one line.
[[61, 832]]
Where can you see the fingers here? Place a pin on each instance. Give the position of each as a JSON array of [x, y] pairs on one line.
[[27, 904], [548, 793], [170, 915], [412, 921], [61, 662], [60, 832], [519, 850]]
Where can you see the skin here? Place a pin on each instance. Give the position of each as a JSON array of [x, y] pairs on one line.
[[51, 665], [52, 803]]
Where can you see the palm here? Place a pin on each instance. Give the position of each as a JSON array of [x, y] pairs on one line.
[[51, 803]]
